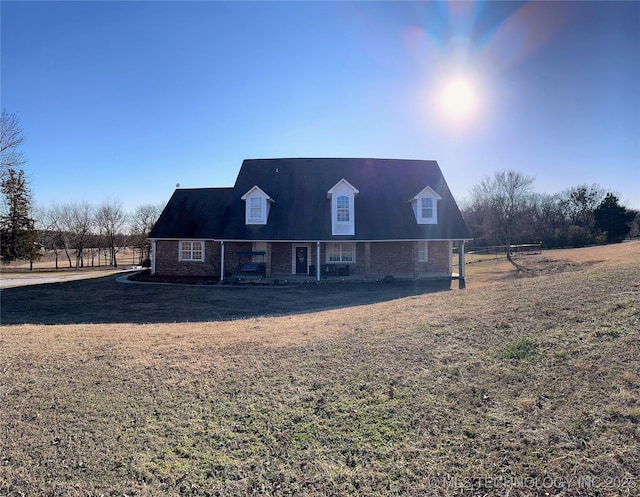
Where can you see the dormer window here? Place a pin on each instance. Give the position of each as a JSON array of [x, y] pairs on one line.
[[425, 206], [342, 208], [257, 206]]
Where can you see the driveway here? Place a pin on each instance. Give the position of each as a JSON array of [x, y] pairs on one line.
[[12, 280]]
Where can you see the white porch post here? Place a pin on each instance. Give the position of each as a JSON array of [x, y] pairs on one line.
[[222, 261], [153, 257], [317, 261], [461, 283]]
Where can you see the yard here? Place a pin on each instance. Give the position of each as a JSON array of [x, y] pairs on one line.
[[524, 384]]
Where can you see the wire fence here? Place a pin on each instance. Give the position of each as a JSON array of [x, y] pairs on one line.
[[477, 254]]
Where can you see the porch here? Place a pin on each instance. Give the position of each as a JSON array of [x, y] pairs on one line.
[[292, 279]]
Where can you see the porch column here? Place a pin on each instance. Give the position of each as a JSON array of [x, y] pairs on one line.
[[222, 261], [367, 258], [317, 261], [153, 257], [461, 284]]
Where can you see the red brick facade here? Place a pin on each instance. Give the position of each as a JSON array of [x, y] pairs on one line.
[[372, 259], [167, 262]]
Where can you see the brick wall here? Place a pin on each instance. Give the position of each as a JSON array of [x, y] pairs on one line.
[[395, 258], [439, 259], [167, 262], [280, 258], [401, 258], [372, 259], [231, 257]]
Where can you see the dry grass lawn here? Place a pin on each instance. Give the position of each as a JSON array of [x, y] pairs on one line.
[[523, 385]]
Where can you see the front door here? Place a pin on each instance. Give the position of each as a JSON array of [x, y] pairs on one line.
[[301, 260]]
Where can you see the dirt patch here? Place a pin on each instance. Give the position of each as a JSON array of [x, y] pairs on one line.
[[489, 272], [537, 266]]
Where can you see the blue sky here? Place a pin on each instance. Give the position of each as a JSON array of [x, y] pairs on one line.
[[126, 99]]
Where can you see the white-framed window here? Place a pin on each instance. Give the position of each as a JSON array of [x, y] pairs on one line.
[[257, 206], [342, 214], [191, 250], [341, 252], [255, 209], [342, 197], [425, 206], [423, 251]]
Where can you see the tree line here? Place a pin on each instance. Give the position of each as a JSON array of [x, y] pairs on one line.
[[504, 209], [78, 232], [81, 232]]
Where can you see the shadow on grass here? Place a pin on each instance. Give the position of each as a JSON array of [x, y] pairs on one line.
[[105, 300]]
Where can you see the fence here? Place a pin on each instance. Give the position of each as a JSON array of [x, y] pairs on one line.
[[477, 254]]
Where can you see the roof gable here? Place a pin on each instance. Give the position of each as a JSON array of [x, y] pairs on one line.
[[427, 191], [341, 185], [256, 191]]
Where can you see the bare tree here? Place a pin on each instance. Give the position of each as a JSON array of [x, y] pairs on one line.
[[11, 137], [77, 222], [52, 225], [110, 219], [503, 198], [549, 220], [142, 221]]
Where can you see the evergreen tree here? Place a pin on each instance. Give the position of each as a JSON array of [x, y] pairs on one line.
[[18, 236], [613, 218]]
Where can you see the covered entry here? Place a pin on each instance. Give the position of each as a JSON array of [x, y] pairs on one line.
[[302, 260]]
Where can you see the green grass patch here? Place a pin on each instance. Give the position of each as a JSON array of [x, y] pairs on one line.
[[520, 349]]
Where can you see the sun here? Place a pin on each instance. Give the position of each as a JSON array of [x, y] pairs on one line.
[[458, 100]]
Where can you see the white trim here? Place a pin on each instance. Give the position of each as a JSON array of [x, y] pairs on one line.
[[332, 240], [423, 247], [416, 204], [191, 251], [265, 201], [343, 189], [185, 239], [342, 182], [153, 256], [260, 192], [340, 245], [222, 261], [295, 245], [314, 240]]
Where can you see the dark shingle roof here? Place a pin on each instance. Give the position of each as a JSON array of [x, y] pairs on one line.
[[193, 213], [301, 210]]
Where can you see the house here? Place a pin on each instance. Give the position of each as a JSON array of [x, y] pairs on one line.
[[314, 219]]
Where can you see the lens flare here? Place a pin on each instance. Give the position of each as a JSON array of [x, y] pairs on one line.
[[458, 100]]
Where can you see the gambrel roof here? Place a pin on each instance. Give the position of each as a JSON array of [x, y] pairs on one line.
[[301, 210]]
